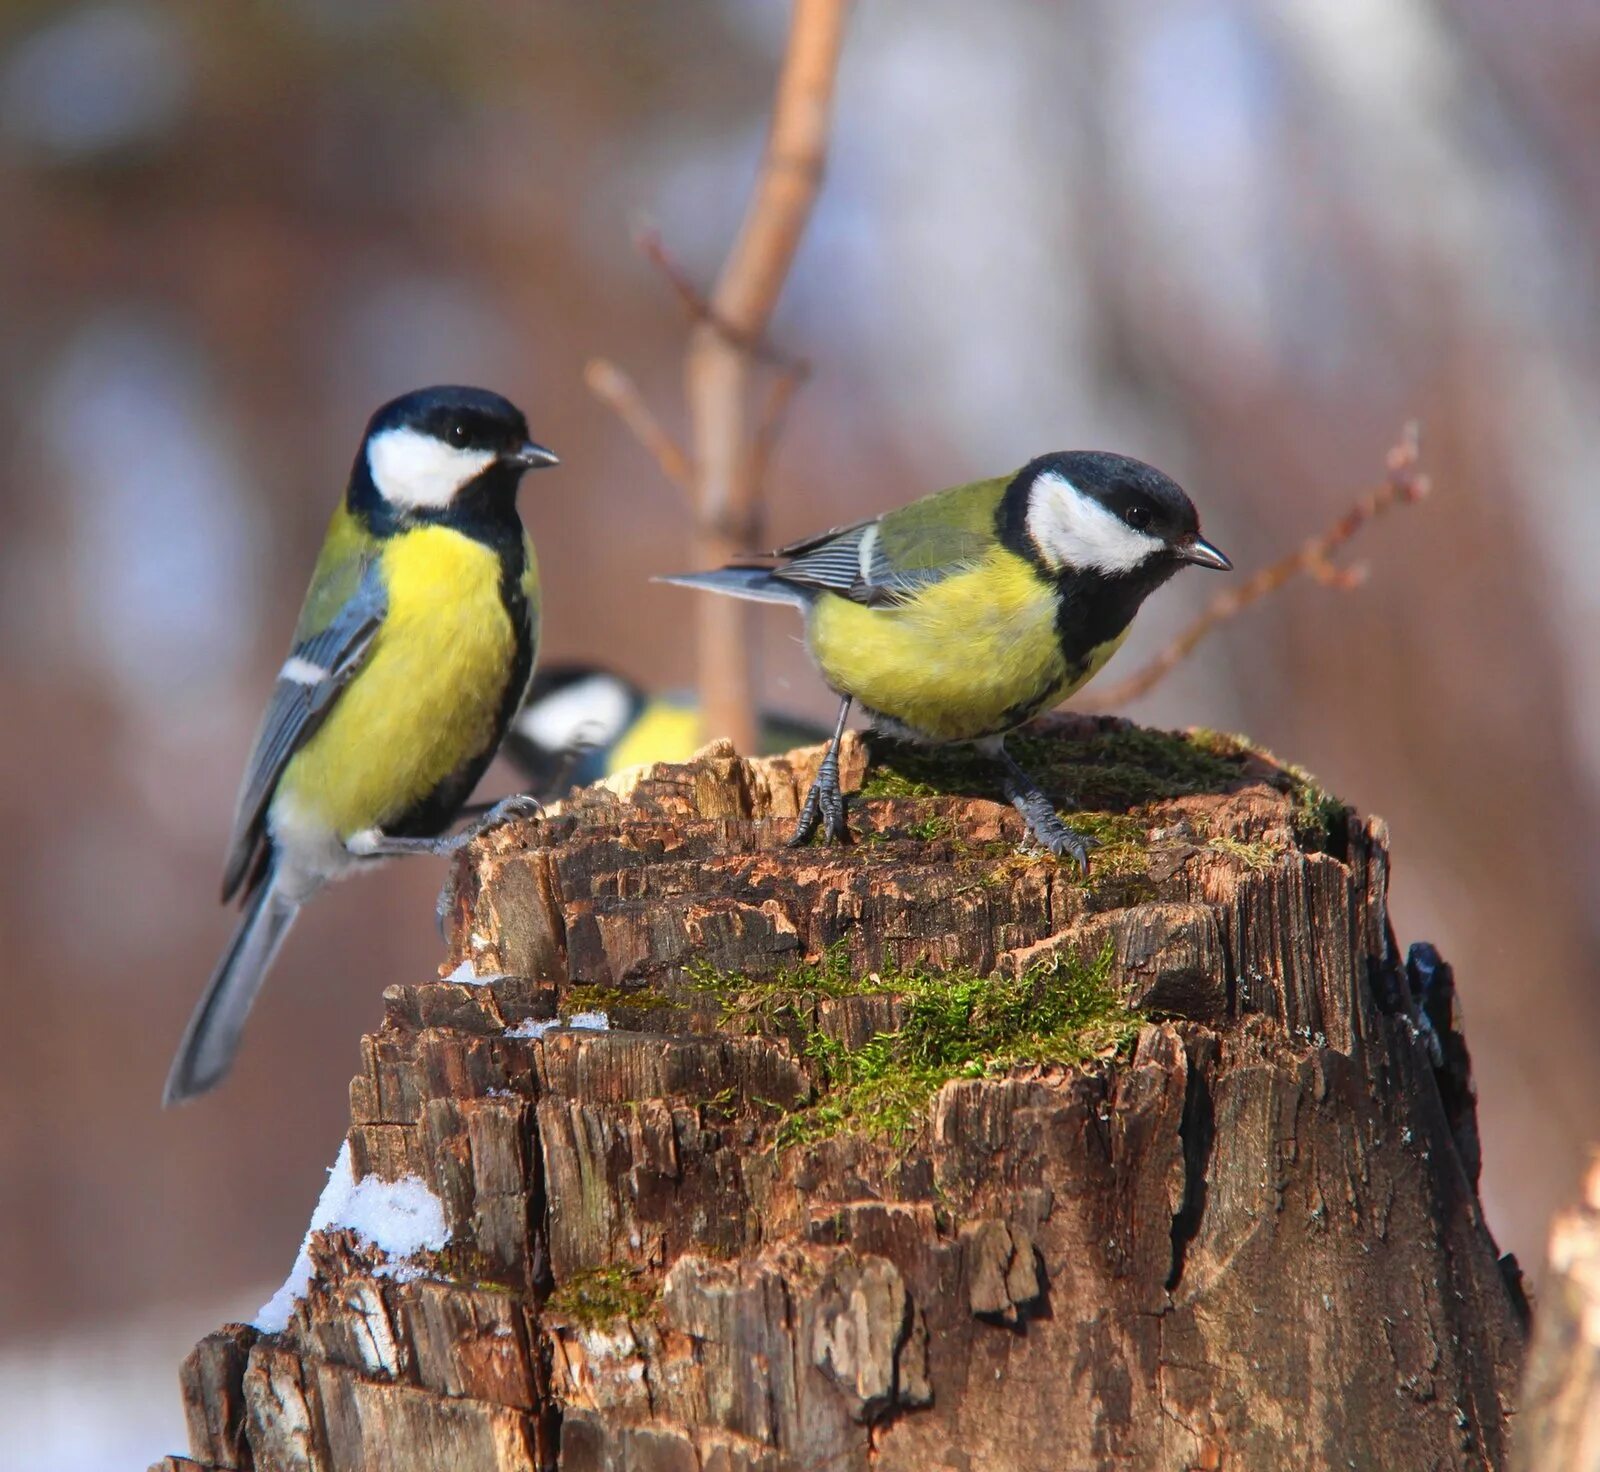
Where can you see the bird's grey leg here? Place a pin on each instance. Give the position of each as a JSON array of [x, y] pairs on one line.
[[374, 843], [1038, 812], [824, 804]]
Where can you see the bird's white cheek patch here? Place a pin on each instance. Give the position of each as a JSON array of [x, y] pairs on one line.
[[589, 712], [411, 469], [1074, 530]]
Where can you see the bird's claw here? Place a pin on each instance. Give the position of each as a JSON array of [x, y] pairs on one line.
[[823, 808], [1050, 833], [518, 807], [835, 828]]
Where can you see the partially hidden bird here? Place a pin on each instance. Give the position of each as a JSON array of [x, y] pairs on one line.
[[414, 649], [582, 722], [965, 614]]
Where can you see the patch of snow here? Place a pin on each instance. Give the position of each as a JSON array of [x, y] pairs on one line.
[[464, 975], [397, 1217], [602, 1344], [532, 1028]]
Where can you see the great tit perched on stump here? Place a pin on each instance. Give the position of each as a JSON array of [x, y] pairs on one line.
[[414, 649], [967, 613]]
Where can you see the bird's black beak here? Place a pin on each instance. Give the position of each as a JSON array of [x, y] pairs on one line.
[[1200, 552], [533, 457]]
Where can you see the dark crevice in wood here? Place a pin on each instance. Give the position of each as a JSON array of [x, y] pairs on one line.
[[1196, 1128]]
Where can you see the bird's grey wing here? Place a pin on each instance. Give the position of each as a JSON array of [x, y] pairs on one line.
[[891, 558], [821, 539], [851, 562], [323, 661], [883, 560]]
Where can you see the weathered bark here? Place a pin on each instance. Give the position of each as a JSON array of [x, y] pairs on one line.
[[1560, 1423], [1249, 1239]]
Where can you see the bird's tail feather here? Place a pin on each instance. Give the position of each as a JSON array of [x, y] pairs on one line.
[[755, 583], [212, 1037]]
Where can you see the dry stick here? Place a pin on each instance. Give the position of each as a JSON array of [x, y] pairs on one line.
[[793, 370], [1404, 485], [653, 248], [612, 386], [718, 365]]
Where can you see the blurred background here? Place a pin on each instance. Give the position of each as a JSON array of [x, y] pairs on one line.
[[1241, 239]]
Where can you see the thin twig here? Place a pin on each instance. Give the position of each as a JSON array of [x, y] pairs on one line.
[[654, 249], [1405, 484], [612, 386]]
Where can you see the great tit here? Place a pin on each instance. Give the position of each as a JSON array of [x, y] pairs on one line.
[[414, 648], [965, 614], [581, 723]]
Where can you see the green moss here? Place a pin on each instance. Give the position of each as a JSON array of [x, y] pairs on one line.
[[883, 780], [1122, 842], [1121, 768], [1225, 745], [1318, 818], [785, 1003], [955, 1024], [960, 1025], [1255, 855], [1112, 769], [930, 830], [601, 999], [600, 1296]]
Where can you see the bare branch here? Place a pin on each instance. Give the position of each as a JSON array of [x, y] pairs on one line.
[[654, 249], [613, 387], [1405, 485], [717, 370]]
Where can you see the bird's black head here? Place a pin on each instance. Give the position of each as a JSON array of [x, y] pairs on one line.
[[442, 452], [1088, 511]]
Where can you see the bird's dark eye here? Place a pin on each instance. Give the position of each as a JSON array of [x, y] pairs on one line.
[[1138, 517], [459, 436]]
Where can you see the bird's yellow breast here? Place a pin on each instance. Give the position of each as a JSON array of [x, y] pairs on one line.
[[972, 655], [430, 695]]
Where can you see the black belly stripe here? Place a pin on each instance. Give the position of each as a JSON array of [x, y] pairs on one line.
[[502, 534]]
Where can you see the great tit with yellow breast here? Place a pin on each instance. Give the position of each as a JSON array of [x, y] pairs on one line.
[[582, 722], [965, 614], [414, 649]]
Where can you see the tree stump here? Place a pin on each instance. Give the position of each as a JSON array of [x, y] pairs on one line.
[[915, 1154]]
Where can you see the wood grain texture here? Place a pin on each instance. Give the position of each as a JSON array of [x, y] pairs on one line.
[[1250, 1240]]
